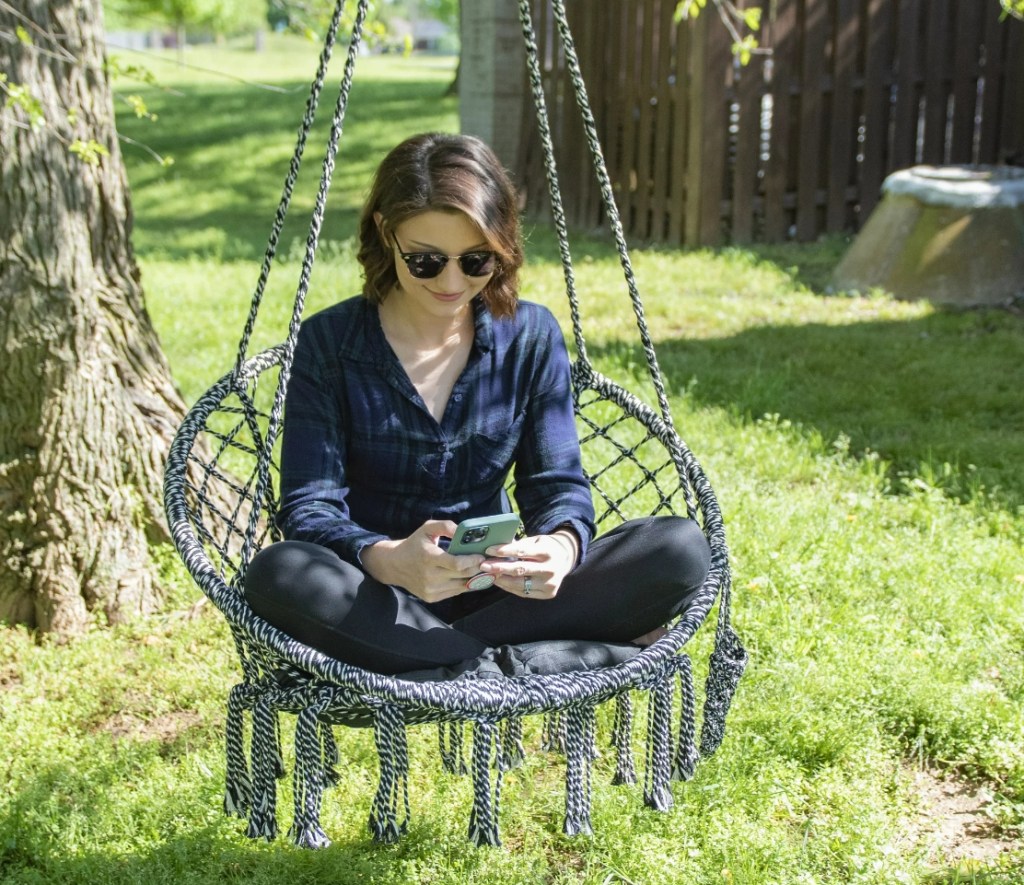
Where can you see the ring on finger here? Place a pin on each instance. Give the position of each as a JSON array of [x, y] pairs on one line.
[[527, 585]]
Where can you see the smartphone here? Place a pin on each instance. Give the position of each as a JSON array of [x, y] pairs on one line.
[[476, 535]]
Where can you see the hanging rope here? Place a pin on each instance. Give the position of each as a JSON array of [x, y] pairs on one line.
[[483, 818], [393, 755], [580, 751], [237, 783], [684, 763], [728, 661], [289, 184], [603, 179], [312, 239], [313, 773], [450, 746], [622, 740], [658, 772], [266, 767]]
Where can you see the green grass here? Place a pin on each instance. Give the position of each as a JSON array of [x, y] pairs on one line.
[[865, 452]]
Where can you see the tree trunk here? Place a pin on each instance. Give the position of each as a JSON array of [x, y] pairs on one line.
[[453, 87], [88, 406]]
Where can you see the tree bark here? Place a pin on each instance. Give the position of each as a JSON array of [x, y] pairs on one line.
[[88, 405]]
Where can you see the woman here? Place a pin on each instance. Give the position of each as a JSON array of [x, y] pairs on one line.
[[407, 408]]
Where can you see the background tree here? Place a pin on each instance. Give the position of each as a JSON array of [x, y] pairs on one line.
[[214, 16], [88, 407], [311, 17], [449, 12]]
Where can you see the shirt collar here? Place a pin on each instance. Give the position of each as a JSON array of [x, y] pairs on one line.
[[483, 322], [363, 339]]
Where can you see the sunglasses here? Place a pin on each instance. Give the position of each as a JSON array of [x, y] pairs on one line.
[[427, 265]]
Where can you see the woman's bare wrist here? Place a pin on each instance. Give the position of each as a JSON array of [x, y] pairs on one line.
[[376, 559], [572, 541]]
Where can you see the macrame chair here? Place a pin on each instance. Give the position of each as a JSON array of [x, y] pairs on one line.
[[637, 465]]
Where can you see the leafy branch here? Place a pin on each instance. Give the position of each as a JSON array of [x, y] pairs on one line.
[[735, 20], [1013, 7], [19, 98]]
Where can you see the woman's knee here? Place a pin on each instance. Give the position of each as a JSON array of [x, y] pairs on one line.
[[679, 544], [281, 565], [294, 582]]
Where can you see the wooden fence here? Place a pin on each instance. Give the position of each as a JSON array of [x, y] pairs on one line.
[[796, 144]]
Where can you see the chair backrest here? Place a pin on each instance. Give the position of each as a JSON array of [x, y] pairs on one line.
[[630, 457]]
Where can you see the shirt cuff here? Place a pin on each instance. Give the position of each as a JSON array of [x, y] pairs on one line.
[[351, 548], [582, 531]]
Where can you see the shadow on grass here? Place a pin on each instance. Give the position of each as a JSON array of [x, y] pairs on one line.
[[166, 841], [232, 149], [938, 398], [208, 854]]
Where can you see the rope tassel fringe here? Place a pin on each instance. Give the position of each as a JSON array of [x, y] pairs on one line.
[[237, 783], [393, 753], [581, 750], [483, 819]]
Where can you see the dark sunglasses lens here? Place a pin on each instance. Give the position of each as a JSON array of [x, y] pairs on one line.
[[426, 265], [477, 264]]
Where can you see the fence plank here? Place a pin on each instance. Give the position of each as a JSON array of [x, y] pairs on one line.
[[749, 89], [594, 30], [682, 159], [936, 82], [533, 178], [646, 90], [629, 134], [1011, 145], [815, 30], [904, 146], [715, 130], [843, 129], [994, 31], [663, 172], [965, 82], [777, 172], [878, 63], [696, 99]]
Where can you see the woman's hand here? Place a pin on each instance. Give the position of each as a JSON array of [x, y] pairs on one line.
[[420, 565], [533, 567]]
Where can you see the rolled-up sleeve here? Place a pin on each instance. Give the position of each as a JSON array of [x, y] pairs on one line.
[[551, 489], [314, 484]]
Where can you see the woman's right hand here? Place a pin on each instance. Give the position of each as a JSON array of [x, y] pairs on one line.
[[420, 565]]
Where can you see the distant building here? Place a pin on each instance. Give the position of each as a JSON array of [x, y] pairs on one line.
[[424, 34]]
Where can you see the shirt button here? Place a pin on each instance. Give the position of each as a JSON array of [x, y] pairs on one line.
[[457, 397]]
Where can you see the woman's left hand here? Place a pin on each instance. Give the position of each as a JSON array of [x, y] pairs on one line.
[[533, 567]]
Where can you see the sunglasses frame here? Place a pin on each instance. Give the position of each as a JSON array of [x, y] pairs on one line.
[[442, 259]]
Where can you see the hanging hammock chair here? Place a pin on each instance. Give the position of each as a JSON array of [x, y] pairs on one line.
[[637, 465]]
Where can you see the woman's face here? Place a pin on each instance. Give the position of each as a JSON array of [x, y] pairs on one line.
[[451, 234]]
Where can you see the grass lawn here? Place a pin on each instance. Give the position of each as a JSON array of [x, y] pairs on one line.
[[866, 454]]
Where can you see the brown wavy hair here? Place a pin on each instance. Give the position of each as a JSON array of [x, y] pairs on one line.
[[442, 173]]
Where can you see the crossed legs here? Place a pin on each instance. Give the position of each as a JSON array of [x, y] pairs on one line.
[[635, 578]]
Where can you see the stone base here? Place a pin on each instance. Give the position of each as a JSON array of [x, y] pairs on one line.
[[933, 238]]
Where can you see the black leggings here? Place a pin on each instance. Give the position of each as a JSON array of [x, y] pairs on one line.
[[635, 578]]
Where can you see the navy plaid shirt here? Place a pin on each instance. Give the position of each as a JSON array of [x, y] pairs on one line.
[[363, 459]]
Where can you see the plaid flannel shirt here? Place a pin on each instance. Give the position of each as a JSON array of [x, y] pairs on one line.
[[363, 459]]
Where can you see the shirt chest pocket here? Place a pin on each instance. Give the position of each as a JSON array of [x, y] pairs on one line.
[[491, 453]]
